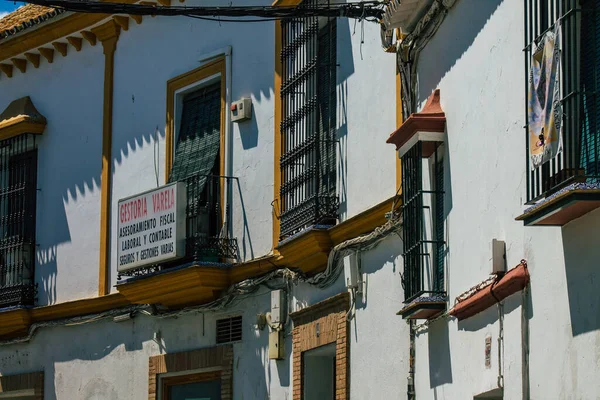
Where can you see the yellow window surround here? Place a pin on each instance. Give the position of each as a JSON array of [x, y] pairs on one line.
[[214, 68], [21, 117]]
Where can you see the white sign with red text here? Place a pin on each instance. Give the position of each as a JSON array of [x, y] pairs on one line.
[[151, 227]]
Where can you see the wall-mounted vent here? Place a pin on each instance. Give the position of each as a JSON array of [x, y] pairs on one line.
[[229, 329]]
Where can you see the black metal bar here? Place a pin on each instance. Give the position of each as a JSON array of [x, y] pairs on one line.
[[579, 159], [18, 192], [307, 164]]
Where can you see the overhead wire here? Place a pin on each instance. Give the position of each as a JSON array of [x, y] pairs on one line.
[[368, 10]]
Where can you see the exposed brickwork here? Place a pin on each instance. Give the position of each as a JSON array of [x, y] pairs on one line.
[[330, 317], [220, 357]]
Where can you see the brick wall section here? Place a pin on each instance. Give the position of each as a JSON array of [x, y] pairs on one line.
[[214, 357], [330, 316]]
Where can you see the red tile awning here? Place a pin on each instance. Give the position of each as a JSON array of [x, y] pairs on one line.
[[432, 119], [513, 281]]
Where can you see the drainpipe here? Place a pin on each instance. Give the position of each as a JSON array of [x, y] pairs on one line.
[[525, 345], [411, 363]]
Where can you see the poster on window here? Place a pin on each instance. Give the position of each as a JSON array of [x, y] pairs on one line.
[[544, 107], [151, 227]]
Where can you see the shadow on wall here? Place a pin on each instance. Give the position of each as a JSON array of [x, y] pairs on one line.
[[582, 267], [490, 315], [440, 361], [458, 38], [68, 172], [345, 68]]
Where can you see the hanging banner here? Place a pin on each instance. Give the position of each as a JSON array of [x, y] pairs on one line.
[[544, 107], [151, 227]]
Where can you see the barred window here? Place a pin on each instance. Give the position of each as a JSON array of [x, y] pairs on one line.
[[18, 190], [308, 163], [423, 227], [197, 163], [562, 54]]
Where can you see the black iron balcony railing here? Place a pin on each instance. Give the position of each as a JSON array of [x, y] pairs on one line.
[[208, 225], [578, 23], [18, 189], [208, 220], [422, 253]]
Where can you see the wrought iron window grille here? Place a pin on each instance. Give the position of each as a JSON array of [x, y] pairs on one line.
[[579, 160], [308, 192], [423, 254], [18, 193]]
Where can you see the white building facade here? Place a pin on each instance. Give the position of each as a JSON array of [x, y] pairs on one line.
[[313, 261]]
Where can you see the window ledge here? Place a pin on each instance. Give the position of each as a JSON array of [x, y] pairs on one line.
[[563, 206], [423, 308], [197, 284], [177, 287], [310, 249], [21, 117], [14, 321]]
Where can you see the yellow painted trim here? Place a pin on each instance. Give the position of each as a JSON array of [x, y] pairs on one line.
[[76, 308], [108, 34], [205, 71], [277, 140], [33, 58], [76, 42], [20, 63], [362, 223], [212, 68], [48, 54], [399, 121], [16, 322], [180, 287], [89, 36], [7, 69], [61, 47], [200, 284], [49, 32], [20, 127]]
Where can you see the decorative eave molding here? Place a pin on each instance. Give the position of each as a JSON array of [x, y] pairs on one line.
[[21, 117], [58, 36]]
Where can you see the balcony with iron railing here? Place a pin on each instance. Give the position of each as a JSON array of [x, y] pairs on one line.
[[419, 142], [562, 131], [208, 239]]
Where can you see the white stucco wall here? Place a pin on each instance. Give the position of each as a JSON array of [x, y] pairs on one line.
[[69, 92], [109, 360], [478, 67], [69, 166]]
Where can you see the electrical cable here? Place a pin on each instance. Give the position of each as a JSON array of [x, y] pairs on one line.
[[282, 278], [365, 10]]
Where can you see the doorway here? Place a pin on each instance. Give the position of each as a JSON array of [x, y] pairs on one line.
[[319, 373]]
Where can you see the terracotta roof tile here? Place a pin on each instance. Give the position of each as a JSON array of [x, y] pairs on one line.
[[25, 17]]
